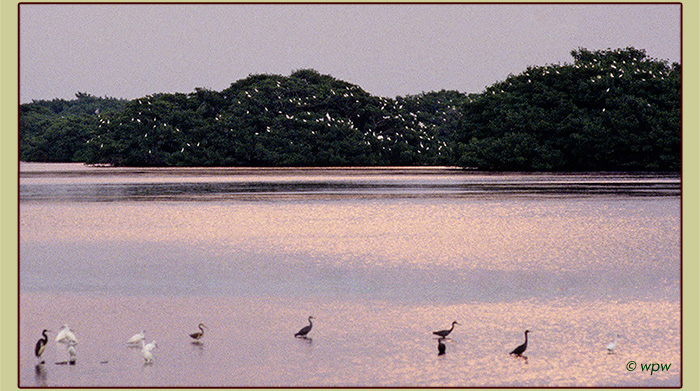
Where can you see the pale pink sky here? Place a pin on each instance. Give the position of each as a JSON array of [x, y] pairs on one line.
[[129, 51]]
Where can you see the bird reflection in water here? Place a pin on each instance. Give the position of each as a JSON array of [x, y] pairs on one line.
[[441, 347], [40, 375]]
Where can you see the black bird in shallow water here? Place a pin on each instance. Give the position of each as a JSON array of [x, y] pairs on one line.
[[445, 333], [305, 330], [41, 345], [441, 347], [199, 334], [521, 349]]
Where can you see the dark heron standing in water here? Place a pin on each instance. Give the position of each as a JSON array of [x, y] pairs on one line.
[[441, 347], [305, 330], [521, 349], [445, 333], [41, 345], [199, 334]]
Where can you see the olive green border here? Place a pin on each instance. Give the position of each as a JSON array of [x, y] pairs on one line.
[[9, 98]]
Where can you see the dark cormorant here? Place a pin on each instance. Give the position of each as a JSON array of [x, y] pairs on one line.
[[521, 349], [305, 330]]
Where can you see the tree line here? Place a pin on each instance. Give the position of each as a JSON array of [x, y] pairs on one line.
[[609, 110]]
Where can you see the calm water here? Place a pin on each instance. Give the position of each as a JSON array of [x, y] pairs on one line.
[[380, 257]]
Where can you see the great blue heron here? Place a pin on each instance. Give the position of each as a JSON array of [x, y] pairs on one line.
[[41, 345], [518, 352], [199, 334], [305, 330], [445, 333]]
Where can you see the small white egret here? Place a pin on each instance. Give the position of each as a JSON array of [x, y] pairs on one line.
[[611, 346], [199, 334], [41, 345], [66, 336], [136, 338], [305, 330], [518, 352], [445, 333], [147, 351]]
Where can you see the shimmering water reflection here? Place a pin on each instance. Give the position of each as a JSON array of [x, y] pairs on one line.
[[380, 257], [354, 343]]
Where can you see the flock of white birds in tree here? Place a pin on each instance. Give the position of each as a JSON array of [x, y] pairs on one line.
[[293, 112]]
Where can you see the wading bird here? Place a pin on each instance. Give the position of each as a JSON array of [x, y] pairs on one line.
[[41, 346], [305, 330], [521, 349], [611, 345], [445, 333], [441, 347], [147, 351], [136, 338], [66, 336], [199, 334]]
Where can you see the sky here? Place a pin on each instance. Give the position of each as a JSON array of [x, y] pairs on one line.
[[133, 50]]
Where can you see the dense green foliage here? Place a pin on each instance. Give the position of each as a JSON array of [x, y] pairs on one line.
[[609, 110], [57, 130]]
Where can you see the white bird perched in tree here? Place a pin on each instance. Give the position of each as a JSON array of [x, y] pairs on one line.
[[147, 351], [611, 346], [136, 338], [66, 336]]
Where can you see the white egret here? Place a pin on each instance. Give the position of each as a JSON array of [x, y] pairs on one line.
[[199, 334], [66, 336], [521, 349], [147, 351], [305, 330], [136, 338], [445, 333], [611, 346], [41, 345]]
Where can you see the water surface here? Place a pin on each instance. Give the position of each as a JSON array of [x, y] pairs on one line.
[[380, 257]]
